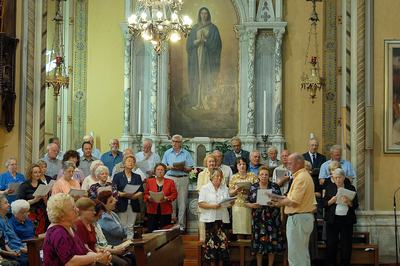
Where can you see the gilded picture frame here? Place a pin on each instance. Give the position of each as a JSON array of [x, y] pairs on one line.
[[392, 97]]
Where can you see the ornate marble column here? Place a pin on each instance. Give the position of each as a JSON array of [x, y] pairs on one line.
[[247, 104], [127, 83], [163, 101], [80, 51], [153, 93], [251, 36], [277, 137], [126, 139]]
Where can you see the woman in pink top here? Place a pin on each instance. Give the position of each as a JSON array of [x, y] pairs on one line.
[[65, 183]]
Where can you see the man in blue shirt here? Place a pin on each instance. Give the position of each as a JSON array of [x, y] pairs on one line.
[[112, 157], [9, 177], [179, 163], [335, 152], [254, 164], [54, 165]]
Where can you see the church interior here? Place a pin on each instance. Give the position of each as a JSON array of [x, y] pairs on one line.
[[274, 73]]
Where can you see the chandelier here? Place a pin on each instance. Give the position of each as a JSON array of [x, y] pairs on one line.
[[311, 79], [57, 76], [158, 21]]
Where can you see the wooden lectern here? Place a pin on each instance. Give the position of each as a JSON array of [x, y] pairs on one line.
[[159, 249]]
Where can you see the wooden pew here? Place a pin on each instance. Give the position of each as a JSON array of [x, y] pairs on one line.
[[159, 249], [34, 246], [361, 254], [366, 254]]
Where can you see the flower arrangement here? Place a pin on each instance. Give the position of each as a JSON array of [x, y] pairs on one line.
[[194, 174]]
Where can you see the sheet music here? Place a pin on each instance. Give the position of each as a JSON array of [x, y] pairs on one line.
[[77, 192], [279, 174], [13, 186], [131, 189], [226, 202], [42, 190], [157, 196], [344, 192], [263, 197]]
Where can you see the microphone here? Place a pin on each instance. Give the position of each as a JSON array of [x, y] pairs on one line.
[[394, 196]]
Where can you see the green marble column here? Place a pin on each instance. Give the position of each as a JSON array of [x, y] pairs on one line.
[[79, 72]]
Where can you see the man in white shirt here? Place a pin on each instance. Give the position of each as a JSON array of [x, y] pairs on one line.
[[146, 159], [282, 174], [226, 170]]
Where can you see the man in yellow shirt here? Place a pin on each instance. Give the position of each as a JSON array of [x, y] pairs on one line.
[[299, 206]]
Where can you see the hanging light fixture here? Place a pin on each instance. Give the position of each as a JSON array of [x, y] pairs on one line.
[[311, 79], [57, 75], [158, 21]]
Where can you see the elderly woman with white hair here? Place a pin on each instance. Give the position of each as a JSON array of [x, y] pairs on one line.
[[16, 250], [66, 182], [91, 179], [102, 176], [128, 206], [22, 226], [62, 246], [273, 161], [340, 217]]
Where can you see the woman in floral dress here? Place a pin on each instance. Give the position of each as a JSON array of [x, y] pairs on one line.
[[266, 225], [214, 216], [241, 214]]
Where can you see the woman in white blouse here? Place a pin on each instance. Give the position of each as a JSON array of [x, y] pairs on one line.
[[214, 216]]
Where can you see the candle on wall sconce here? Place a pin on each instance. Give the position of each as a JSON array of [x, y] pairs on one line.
[[265, 113], [312, 136], [140, 113]]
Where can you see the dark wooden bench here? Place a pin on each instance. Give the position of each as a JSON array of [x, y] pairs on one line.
[[360, 237], [365, 254], [34, 246]]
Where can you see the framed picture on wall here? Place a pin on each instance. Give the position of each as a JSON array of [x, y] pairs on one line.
[[392, 96]]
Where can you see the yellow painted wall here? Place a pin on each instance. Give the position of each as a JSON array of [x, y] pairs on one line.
[[9, 140], [301, 117], [105, 71], [105, 74], [386, 170]]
